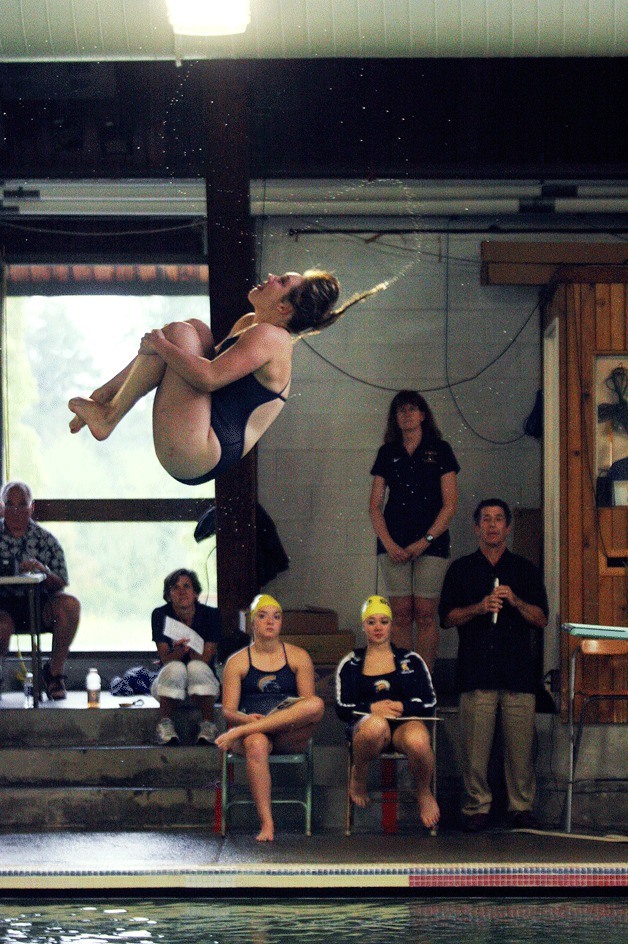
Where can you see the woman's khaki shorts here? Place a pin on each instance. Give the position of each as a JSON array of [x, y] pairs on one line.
[[422, 577]]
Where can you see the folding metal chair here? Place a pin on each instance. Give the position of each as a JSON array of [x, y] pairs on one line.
[[32, 585], [591, 692], [230, 760], [388, 795]]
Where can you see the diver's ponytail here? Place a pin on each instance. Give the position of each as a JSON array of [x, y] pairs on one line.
[[314, 298]]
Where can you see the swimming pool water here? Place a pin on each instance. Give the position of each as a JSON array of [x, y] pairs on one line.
[[316, 921]]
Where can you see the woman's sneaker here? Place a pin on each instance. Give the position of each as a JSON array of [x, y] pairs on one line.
[[166, 733], [207, 733]]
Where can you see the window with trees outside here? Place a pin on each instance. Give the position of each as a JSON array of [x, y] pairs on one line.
[[122, 521]]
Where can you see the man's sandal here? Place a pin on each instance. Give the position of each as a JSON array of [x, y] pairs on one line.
[[55, 684]]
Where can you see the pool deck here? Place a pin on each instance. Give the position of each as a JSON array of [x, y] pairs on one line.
[[202, 862]]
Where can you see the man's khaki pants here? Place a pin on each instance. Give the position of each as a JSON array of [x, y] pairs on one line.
[[478, 711]]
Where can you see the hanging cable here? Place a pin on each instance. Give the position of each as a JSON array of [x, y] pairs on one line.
[[97, 233], [467, 423]]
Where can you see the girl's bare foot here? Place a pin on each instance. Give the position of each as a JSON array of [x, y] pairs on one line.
[[266, 833], [357, 790], [76, 424], [226, 740], [107, 392], [93, 415], [100, 395], [428, 808]]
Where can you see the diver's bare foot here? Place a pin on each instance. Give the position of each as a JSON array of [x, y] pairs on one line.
[[357, 790], [76, 424], [428, 808], [106, 392], [100, 395], [266, 833], [93, 415]]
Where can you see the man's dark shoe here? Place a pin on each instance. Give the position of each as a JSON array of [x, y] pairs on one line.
[[523, 819], [55, 684], [476, 823]]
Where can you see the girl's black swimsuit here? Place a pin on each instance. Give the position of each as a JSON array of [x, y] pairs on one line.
[[231, 408]]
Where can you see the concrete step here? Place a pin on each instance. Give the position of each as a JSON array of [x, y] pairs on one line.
[[43, 808], [76, 727], [138, 767], [120, 808], [51, 726], [64, 766], [129, 796], [109, 766]]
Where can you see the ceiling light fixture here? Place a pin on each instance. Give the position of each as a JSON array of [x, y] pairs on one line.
[[209, 17]]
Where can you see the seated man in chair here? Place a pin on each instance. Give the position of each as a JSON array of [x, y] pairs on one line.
[[26, 547]]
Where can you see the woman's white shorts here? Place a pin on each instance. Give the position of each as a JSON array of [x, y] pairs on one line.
[[176, 680]]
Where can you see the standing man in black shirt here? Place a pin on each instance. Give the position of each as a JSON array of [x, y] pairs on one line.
[[495, 599]]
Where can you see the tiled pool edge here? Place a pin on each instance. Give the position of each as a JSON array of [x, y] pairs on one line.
[[278, 878]]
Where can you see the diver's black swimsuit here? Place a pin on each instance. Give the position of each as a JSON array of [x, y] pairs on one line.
[[231, 408]]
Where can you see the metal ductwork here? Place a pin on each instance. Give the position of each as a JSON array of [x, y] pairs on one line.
[[160, 198], [311, 197], [419, 198], [123, 30]]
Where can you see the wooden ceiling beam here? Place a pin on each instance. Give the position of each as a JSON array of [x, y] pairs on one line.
[[537, 263]]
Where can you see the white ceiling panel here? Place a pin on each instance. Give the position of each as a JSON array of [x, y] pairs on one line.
[[47, 30]]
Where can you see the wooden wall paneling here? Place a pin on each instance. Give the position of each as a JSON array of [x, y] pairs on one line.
[[602, 317], [574, 497], [619, 318], [613, 603], [612, 536], [606, 600], [619, 535], [587, 347], [589, 299], [596, 671], [571, 486], [619, 682], [557, 309], [581, 564], [595, 320], [620, 575]]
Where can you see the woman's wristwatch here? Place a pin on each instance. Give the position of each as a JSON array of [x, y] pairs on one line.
[[428, 537]]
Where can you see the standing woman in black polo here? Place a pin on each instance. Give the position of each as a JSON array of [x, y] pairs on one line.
[[413, 499]]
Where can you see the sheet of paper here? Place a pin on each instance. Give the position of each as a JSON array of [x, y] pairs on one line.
[[177, 631], [290, 700], [365, 714]]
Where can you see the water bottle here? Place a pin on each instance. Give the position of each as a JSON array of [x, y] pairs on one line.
[[28, 691], [92, 684]]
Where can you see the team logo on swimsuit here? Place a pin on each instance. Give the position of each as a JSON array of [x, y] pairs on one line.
[[268, 685], [381, 685], [406, 668]]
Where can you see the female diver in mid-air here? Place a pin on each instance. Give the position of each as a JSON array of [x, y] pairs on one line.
[[214, 403]]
